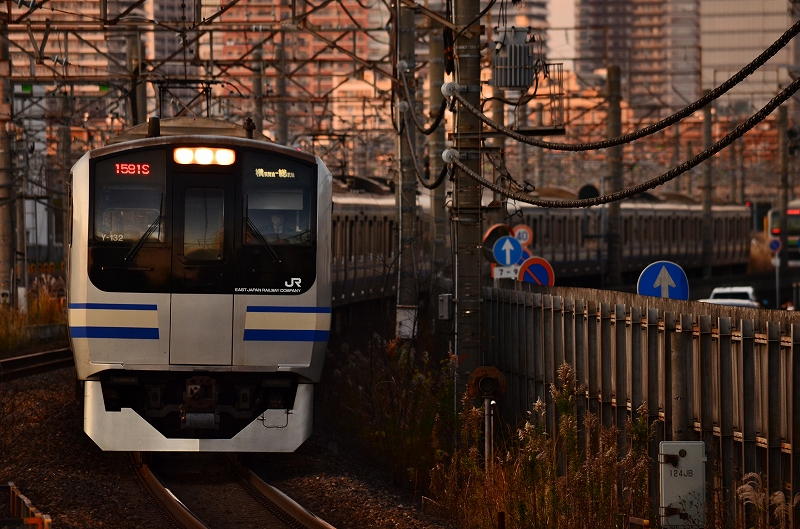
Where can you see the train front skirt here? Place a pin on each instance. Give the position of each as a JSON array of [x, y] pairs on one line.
[[275, 430]]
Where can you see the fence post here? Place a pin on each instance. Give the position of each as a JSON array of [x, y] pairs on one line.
[[537, 361], [620, 372], [606, 390], [748, 397], [653, 382], [592, 356], [794, 366], [637, 362], [707, 394], [726, 416], [580, 371], [680, 406], [773, 405], [549, 369], [665, 362]]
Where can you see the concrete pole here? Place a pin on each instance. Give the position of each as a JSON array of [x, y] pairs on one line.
[[6, 176], [282, 124], [466, 210], [783, 197], [614, 177], [708, 220], [538, 160], [689, 156], [734, 182], [676, 155], [521, 122], [258, 87], [138, 95], [60, 191], [740, 170], [436, 146], [407, 291]]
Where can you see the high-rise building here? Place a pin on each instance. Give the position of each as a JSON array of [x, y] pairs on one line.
[[670, 50]]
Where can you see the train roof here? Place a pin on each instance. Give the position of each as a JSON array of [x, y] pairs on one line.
[[188, 126]]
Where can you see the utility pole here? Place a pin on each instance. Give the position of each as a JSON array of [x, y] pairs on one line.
[[465, 214], [407, 189], [676, 155], [138, 95], [258, 87], [783, 197], [436, 145], [708, 220], [59, 192], [6, 176], [538, 154], [282, 125], [614, 177], [740, 169], [689, 156], [734, 182]]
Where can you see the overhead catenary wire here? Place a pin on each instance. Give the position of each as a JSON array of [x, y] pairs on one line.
[[422, 180], [732, 136], [726, 86], [436, 121]]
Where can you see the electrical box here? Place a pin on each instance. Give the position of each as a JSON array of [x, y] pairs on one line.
[[445, 306], [682, 483]]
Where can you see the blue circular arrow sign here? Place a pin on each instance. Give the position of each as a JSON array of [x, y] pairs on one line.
[[507, 251], [775, 245], [663, 279], [538, 271]]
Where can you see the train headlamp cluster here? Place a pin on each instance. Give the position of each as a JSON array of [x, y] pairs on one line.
[[204, 156]]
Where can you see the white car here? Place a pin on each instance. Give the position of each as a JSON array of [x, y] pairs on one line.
[[734, 297]]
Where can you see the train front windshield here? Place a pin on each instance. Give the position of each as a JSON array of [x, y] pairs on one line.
[[792, 223], [161, 224]]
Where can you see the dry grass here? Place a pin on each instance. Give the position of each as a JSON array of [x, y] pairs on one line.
[[544, 481], [45, 307]]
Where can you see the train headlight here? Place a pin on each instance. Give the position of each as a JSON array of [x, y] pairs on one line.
[[224, 156], [184, 156], [204, 156]]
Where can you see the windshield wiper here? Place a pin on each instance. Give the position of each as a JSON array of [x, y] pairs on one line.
[[153, 227], [253, 228]]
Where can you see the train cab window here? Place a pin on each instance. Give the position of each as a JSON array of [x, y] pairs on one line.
[[280, 200], [279, 216], [204, 224], [126, 208]]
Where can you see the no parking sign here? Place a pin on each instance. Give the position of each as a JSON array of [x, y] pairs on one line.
[[538, 271]]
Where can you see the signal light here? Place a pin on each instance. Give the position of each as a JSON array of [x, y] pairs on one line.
[[204, 156], [748, 204]]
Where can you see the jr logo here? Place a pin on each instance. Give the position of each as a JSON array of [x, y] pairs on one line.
[[295, 281]]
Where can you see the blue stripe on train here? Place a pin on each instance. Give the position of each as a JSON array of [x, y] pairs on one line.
[[265, 335], [304, 310], [113, 306], [127, 333]]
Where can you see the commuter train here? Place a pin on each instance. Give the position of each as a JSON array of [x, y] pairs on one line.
[[772, 229], [669, 227], [199, 288]]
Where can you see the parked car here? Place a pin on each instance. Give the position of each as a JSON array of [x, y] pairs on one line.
[[734, 297]]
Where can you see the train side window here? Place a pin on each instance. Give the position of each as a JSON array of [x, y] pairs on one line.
[[204, 224]]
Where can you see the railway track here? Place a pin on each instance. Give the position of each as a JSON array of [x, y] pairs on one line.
[[213, 491], [27, 365]]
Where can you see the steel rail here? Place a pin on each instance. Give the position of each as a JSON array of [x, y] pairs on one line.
[[32, 364], [171, 506], [283, 502]]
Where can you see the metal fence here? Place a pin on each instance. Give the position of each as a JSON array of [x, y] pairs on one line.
[[722, 375]]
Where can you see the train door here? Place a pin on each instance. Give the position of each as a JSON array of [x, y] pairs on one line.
[[202, 269]]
